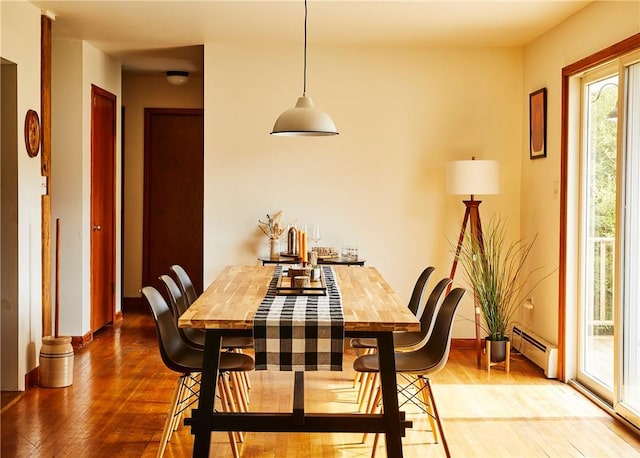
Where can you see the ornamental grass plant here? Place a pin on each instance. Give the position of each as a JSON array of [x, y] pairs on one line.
[[495, 269]]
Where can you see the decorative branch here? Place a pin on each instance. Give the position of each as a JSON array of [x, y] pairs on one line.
[[272, 227]]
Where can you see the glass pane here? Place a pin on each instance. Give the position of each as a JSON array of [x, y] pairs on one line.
[[599, 228], [630, 387]]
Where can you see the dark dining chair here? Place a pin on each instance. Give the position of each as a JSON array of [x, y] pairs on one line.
[[185, 284], [416, 366], [368, 345], [406, 340], [414, 306], [193, 336], [187, 361]]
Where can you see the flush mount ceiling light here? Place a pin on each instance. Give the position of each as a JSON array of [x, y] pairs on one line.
[[177, 78], [304, 119]]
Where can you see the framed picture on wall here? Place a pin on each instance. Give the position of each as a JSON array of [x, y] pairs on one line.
[[538, 124]]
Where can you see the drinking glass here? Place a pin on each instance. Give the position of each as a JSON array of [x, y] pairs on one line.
[[315, 234]]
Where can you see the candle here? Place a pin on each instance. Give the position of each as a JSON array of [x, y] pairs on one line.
[[305, 254], [303, 247]]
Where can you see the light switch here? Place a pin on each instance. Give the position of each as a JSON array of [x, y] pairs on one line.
[[43, 185]]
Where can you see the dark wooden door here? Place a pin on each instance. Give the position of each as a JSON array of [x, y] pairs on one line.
[[173, 193], [103, 246]]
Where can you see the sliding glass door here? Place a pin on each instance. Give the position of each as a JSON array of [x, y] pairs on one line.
[[627, 401], [599, 193], [609, 284]]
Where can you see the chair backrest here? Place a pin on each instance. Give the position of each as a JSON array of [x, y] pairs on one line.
[[431, 308], [418, 290], [176, 354], [185, 283], [193, 337], [176, 299], [433, 355]]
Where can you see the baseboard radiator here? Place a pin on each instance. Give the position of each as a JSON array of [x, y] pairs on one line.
[[536, 349]]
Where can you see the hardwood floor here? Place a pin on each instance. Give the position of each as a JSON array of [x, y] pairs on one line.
[[121, 390]]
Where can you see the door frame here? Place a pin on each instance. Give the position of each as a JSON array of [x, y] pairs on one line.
[[567, 247]]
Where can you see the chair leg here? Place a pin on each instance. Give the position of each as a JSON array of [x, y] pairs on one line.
[[376, 405], [372, 392], [168, 423], [225, 408], [359, 375], [244, 384], [366, 391], [189, 388], [175, 417], [435, 414], [363, 381], [375, 445], [244, 378], [357, 379], [247, 380], [239, 392], [231, 403], [424, 391]]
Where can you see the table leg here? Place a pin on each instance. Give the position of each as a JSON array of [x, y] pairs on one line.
[[202, 416], [391, 411]]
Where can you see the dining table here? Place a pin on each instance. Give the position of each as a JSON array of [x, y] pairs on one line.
[[371, 308]]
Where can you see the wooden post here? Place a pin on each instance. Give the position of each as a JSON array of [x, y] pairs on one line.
[[45, 168]]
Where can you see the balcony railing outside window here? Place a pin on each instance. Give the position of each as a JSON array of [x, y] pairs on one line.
[[600, 288]]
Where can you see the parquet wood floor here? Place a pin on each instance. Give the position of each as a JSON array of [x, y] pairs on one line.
[[121, 390]]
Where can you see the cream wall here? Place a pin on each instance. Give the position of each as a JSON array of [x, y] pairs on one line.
[[76, 66], [402, 114], [596, 27], [140, 92], [20, 44], [66, 177]]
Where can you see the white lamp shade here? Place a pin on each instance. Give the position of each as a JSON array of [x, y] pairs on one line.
[[304, 120], [473, 177]]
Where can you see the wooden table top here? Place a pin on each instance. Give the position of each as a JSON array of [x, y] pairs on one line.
[[230, 302]]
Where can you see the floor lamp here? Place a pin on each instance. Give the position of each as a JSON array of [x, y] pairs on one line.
[[472, 178]]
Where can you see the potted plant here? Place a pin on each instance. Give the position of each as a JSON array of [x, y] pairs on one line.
[[495, 270]]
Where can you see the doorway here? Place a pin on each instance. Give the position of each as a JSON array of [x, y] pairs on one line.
[[173, 193], [609, 226], [103, 246], [9, 225]]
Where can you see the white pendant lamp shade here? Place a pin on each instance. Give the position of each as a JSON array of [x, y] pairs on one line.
[[304, 120], [473, 177]]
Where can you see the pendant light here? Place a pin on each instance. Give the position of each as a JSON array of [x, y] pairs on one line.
[[304, 119]]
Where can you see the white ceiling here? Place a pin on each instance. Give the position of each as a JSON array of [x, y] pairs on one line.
[[152, 35]]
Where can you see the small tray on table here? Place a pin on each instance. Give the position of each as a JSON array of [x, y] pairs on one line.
[[285, 287]]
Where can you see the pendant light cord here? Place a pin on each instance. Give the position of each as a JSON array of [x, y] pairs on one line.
[[304, 85]]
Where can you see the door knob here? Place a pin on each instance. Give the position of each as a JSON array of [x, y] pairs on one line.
[[97, 227]]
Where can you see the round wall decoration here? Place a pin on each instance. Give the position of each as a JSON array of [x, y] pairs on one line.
[[32, 133]]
